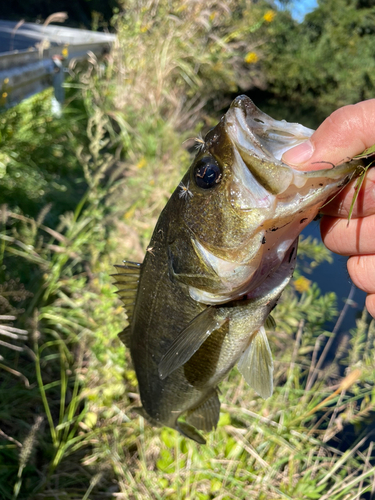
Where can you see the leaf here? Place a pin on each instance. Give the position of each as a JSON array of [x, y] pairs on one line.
[[357, 188], [366, 153]]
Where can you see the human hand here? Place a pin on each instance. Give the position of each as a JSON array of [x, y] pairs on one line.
[[347, 132]]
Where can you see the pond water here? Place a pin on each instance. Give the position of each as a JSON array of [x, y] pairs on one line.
[[335, 278]]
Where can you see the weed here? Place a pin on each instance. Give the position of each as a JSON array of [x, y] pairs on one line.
[[94, 183]]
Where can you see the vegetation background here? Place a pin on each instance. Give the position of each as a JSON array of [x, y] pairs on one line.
[[82, 192]]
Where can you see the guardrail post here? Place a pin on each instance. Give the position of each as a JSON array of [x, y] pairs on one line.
[[58, 80]]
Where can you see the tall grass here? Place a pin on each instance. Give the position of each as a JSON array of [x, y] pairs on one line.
[[67, 429]]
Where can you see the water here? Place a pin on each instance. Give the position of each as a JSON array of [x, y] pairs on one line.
[[335, 278]]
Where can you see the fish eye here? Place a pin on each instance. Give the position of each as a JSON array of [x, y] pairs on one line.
[[207, 173]]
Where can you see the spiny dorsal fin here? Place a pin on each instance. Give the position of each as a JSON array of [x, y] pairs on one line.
[[124, 336], [127, 279]]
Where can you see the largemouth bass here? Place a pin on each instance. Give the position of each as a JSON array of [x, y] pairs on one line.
[[223, 250]]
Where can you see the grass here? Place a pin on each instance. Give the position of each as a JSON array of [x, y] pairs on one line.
[[67, 429]]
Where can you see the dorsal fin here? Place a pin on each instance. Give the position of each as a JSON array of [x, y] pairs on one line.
[[127, 279], [124, 336]]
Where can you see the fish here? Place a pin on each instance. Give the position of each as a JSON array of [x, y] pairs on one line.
[[223, 250]]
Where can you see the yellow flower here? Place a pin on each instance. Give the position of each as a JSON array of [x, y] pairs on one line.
[[90, 419], [142, 162], [218, 66], [4, 95], [145, 28], [181, 8], [302, 284], [130, 213], [251, 58], [269, 16]]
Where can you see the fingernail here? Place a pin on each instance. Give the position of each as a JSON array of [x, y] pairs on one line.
[[299, 154]]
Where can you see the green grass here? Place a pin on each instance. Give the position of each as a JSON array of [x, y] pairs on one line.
[[67, 391]]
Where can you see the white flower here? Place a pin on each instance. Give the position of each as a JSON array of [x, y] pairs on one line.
[[199, 143], [185, 191]]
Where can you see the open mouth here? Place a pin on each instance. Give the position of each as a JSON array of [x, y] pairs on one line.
[[259, 142], [259, 134]]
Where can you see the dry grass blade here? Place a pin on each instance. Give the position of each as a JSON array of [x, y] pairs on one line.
[[246, 446], [346, 383], [17, 26], [11, 332], [16, 373], [11, 346], [357, 189], [58, 236], [342, 461], [365, 154], [57, 17], [367, 464], [9, 438]]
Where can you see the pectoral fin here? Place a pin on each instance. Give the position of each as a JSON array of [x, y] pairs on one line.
[[189, 340], [206, 416], [270, 322], [256, 365]]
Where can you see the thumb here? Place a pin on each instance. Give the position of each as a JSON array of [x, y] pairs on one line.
[[345, 133]]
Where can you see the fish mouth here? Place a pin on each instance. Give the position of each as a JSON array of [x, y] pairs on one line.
[[254, 131], [258, 143]]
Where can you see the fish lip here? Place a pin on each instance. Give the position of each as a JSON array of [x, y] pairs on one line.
[[255, 132], [244, 103]]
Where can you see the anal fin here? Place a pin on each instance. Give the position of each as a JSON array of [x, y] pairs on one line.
[[256, 365], [206, 416]]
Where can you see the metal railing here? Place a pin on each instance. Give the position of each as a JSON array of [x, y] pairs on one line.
[[42, 53]]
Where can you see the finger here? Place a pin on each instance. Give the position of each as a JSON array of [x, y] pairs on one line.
[[357, 238], [365, 203], [362, 272], [370, 304], [345, 133]]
